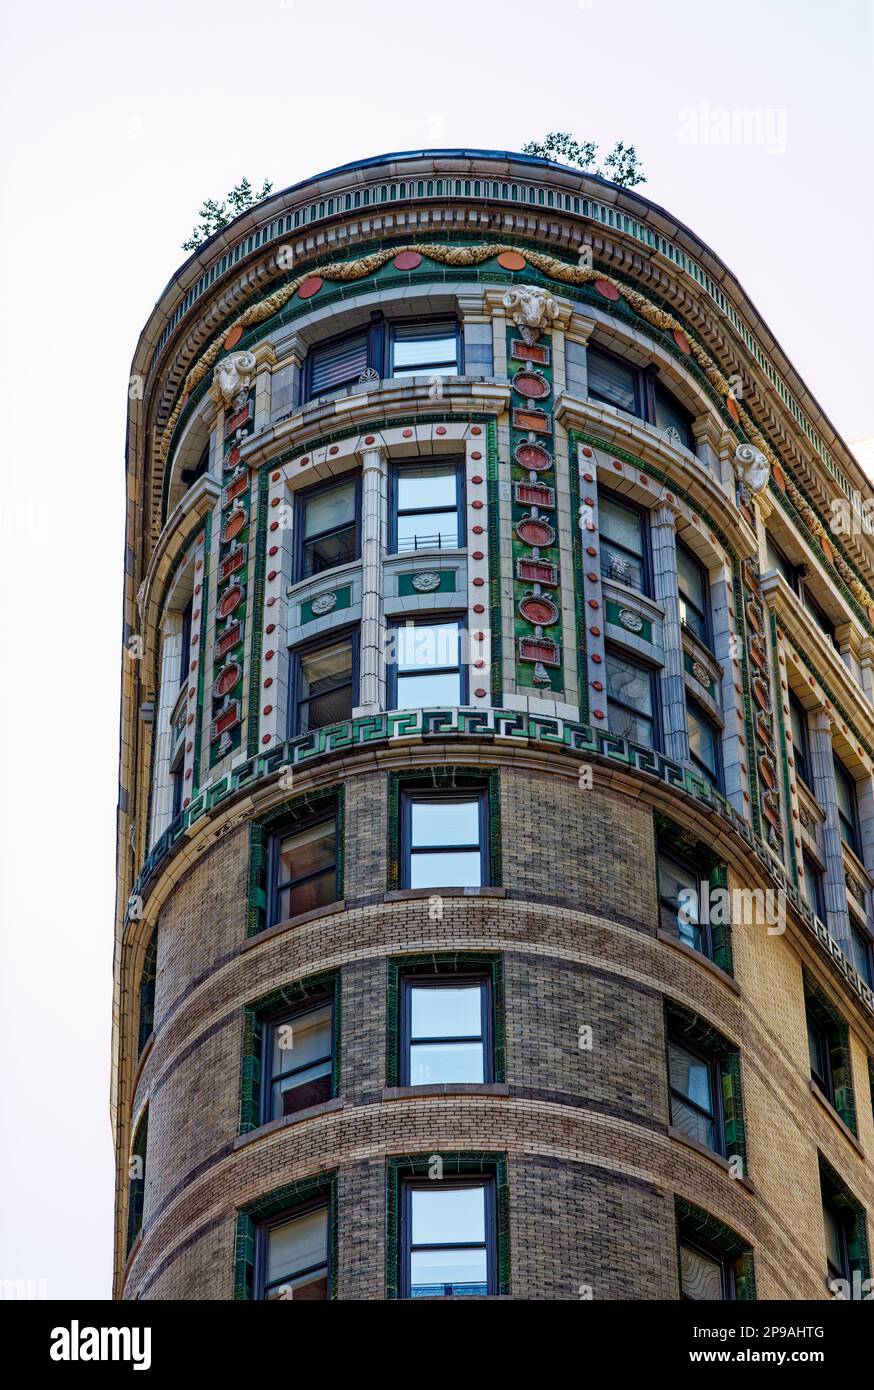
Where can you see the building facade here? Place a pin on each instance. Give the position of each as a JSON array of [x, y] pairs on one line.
[[496, 820]]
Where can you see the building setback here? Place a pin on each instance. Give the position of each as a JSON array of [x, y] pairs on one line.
[[496, 828]]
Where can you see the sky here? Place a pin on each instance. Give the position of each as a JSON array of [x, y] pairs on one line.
[[120, 119]]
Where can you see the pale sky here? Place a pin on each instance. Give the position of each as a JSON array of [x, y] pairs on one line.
[[120, 118]]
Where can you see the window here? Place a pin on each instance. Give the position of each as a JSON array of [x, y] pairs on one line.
[[694, 1082], [824, 623], [327, 527], [847, 1261], [862, 949], [680, 895], [444, 840], [185, 644], [703, 743], [800, 740], [177, 781], [694, 589], [812, 885], [339, 363], [324, 680], [297, 1060], [836, 1251], [631, 700], [637, 391], [848, 815], [303, 868], [445, 1029], [777, 561], [292, 1258], [189, 476], [422, 349], [706, 1275], [796, 578], [624, 556], [819, 1045], [715, 1263], [427, 667], [427, 507], [147, 990], [613, 381], [137, 1190], [448, 1238]]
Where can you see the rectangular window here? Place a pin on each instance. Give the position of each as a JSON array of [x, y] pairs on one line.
[[427, 507], [422, 349], [836, 1252], [706, 1275], [800, 741], [623, 543], [862, 949], [185, 645], [444, 840], [819, 1048], [825, 625], [448, 1238], [337, 364], [445, 1030], [297, 1060], [668, 414], [704, 748], [680, 895], [327, 527], [324, 683], [695, 1085], [613, 382], [292, 1256], [177, 781], [427, 668], [302, 868], [812, 885], [631, 700], [694, 589], [848, 815], [847, 1267], [777, 561]]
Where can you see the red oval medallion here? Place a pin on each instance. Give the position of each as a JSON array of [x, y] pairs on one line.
[[310, 286], [234, 525], [535, 532], [606, 290], [233, 337], [231, 600], [511, 260], [532, 456], [226, 680], [532, 385], [407, 260], [682, 341], [539, 610]]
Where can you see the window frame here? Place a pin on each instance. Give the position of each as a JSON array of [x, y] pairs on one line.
[[843, 773], [486, 1181], [706, 617], [648, 384], [714, 777], [262, 1243], [422, 321], [717, 1257], [408, 796], [367, 329], [408, 981], [701, 877], [805, 767], [429, 619], [332, 637], [714, 1073], [815, 875], [826, 1081], [301, 498], [645, 557], [631, 659], [275, 1019], [273, 853], [380, 333], [397, 467]]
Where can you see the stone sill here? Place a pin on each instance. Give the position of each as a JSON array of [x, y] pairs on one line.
[[291, 922], [400, 895], [312, 1112], [721, 1162], [833, 1115], [455, 1088], [699, 959]]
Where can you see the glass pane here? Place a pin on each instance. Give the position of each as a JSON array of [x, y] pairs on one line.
[[459, 869], [700, 1277], [811, 885], [414, 692], [625, 724], [327, 709], [448, 1214], [621, 524], [297, 1244], [338, 364], [327, 511], [702, 739], [846, 791], [422, 344], [816, 1051], [861, 952], [798, 725], [669, 415], [306, 897], [424, 646], [776, 561], [326, 668], [445, 822], [336, 548], [309, 1288], [437, 1273], [609, 381], [833, 1237], [691, 1122], [421, 530], [446, 1011], [307, 850], [674, 881], [295, 1093], [621, 567], [435, 1064], [300, 1040], [691, 578], [691, 1076], [420, 489], [629, 684]]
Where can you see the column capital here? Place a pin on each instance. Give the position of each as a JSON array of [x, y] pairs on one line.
[[665, 513], [579, 328], [373, 457], [470, 305], [819, 721]]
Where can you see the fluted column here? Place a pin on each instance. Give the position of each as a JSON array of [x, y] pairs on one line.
[[374, 541], [673, 686], [823, 770]]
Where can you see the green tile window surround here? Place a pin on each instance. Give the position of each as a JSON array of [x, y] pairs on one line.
[[443, 779], [684, 1026], [444, 963], [276, 1203], [291, 996], [694, 1223], [299, 808]]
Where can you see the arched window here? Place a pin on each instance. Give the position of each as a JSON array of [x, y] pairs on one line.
[[137, 1181], [147, 991]]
